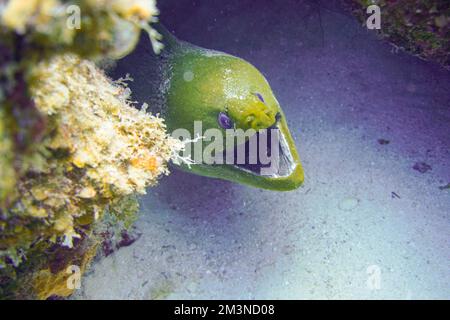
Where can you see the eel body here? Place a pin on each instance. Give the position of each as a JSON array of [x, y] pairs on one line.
[[188, 86]]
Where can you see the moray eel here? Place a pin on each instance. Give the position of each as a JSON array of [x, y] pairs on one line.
[[186, 83]]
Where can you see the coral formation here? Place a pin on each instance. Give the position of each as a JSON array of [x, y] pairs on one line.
[[87, 27], [421, 27], [74, 151]]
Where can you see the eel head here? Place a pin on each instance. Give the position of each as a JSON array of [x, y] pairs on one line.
[[229, 99]]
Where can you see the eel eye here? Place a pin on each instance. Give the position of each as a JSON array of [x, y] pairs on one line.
[[260, 97], [224, 121]]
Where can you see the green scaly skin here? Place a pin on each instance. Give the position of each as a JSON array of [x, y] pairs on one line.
[[203, 83]]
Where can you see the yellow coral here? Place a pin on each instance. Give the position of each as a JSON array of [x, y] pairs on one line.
[[7, 174], [99, 149], [141, 9], [87, 193], [111, 27], [104, 133], [110, 149], [19, 13], [47, 284]]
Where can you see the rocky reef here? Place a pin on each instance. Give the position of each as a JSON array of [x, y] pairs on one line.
[[420, 27], [74, 150]]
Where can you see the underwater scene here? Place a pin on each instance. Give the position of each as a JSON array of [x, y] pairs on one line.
[[224, 150]]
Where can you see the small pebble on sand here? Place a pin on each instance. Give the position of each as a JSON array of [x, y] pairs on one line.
[[348, 204], [422, 167], [383, 141]]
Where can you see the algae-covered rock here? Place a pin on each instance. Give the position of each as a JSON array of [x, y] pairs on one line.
[[74, 151], [90, 28], [418, 26], [7, 174], [97, 149]]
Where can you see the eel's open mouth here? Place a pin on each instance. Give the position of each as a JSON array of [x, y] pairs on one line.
[[269, 156], [265, 159]]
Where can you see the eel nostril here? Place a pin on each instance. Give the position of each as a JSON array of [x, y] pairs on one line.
[[260, 97], [277, 117], [277, 120]]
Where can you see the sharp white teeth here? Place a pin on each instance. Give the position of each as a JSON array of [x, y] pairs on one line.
[[282, 164], [287, 163]]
